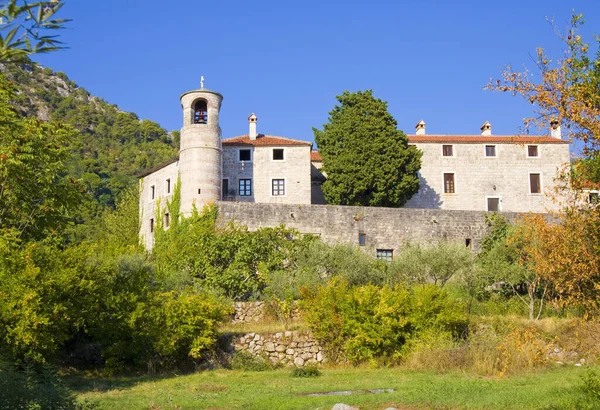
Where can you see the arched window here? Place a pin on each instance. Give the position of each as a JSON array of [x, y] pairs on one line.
[[200, 112]]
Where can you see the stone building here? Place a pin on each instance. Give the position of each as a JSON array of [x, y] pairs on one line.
[[458, 173]]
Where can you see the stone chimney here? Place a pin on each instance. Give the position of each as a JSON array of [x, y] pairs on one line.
[[555, 129], [420, 128], [252, 123], [486, 129]]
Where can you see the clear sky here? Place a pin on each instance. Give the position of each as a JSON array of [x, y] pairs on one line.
[[286, 61]]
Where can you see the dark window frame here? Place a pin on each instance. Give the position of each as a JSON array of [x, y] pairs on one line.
[[278, 187], [279, 151], [449, 185], [245, 151], [362, 239], [537, 151], [493, 149], [538, 183], [445, 152], [245, 186], [386, 255]]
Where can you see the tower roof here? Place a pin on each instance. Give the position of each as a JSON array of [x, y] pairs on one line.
[[201, 90]]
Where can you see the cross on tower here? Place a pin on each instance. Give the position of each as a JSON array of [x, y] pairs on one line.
[[201, 81]]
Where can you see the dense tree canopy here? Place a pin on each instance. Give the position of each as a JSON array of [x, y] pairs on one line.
[[367, 160]]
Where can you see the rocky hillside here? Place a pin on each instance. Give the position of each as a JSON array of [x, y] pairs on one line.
[[112, 145]]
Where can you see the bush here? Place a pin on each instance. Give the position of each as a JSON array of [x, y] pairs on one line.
[[591, 384], [308, 371], [242, 360], [375, 323]]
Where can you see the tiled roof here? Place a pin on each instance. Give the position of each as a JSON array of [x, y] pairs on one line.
[[315, 156], [263, 141], [479, 139]]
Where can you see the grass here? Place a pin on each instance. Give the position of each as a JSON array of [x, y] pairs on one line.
[[228, 389]]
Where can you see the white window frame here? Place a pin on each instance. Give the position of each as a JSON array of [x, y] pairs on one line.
[[539, 151], [485, 155], [152, 194], [278, 160], [448, 156], [285, 187], [239, 153], [493, 197], [381, 250], [168, 186], [444, 183], [541, 183]]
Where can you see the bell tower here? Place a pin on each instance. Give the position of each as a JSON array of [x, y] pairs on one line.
[[200, 152]]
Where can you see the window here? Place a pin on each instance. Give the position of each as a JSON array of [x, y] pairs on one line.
[[447, 150], [532, 151], [534, 184], [490, 150], [362, 239], [151, 225], [167, 220], [245, 187], [278, 154], [245, 155], [468, 243], [152, 192], [278, 187], [448, 183], [385, 254], [200, 112], [493, 204], [225, 187], [593, 198], [168, 185]]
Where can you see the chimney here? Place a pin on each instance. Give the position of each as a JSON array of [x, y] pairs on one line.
[[252, 123], [486, 129], [555, 129], [420, 128]]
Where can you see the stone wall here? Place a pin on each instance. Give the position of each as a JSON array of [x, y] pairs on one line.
[[477, 177], [384, 228], [286, 348]]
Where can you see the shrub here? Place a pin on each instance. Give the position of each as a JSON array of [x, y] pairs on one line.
[[242, 360], [307, 371], [591, 384], [375, 323]]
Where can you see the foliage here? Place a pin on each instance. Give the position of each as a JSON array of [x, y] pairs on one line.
[[568, 90], [506, 259], [306, 371], [37, 196], [110, 146], [31, 388], [591, 384], [23, 26], [314, 262], [230, 259], [566, 255], [367, 160], [435, 264], [245, 361], [374, 323]]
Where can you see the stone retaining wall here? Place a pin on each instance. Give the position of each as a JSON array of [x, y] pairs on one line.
[[287, 348]]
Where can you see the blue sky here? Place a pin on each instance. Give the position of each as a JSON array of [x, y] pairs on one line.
[[286, 61]]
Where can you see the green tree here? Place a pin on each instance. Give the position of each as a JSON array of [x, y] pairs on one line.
[[367, 160], [36, 194], [24, 27]]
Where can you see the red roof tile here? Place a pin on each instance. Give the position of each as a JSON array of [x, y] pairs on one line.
[[479, 139], [315, 156], [263, 140]]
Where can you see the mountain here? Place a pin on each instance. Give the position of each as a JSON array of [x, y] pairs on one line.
[[111, 146]]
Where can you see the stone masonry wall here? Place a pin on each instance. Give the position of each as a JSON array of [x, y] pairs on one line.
[[286, 348], [253, 312], [385, 228]]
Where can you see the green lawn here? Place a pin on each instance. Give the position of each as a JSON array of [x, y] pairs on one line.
[[228, 389]]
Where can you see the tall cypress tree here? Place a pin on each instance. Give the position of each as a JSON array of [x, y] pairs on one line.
[[366, 158]]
